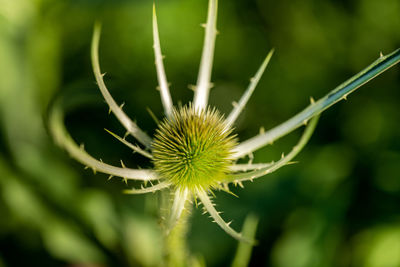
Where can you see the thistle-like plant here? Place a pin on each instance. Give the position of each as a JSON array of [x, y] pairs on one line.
[[194, 150]]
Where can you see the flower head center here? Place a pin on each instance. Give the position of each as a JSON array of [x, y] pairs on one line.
[[193, 149]]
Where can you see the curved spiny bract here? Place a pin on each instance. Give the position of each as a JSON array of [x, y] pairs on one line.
[[209, 206], [249, 176], [150, 189], [129, 125], [63, 139], [248, 166]]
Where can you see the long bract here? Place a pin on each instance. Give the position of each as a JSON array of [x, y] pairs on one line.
[[203, 81], [135, 148], [150, 189], [246, 96], [129, 125], [341, 92], [162, 78], [208, 205], [181, 195], [249, 176], [63, 139]]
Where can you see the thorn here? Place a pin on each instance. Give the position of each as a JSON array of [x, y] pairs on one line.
[[283, 155], [233, 194], [109, 177], [109, 111], [212, 196], [262, 130], [211, 85], [163, 57], [226, 186], [203, 25], [345, 96], [86, 167], [312, 100], [122, 105], [234, 104], [122, 164], [104, 74], [158, 88], [152, 115], [82, 146], [229, 223], [251, 158], [125, 135], [305, 122], [192, 87], [125, 180], [240, 184], [252, 79], [94, 170], [380, 54]]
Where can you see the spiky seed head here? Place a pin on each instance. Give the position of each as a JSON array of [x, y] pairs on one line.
[[193, 149]]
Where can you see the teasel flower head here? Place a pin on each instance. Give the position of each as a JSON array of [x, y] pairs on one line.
[[194, 150]]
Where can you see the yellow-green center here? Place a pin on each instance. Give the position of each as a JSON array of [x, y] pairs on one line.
[[193, 149]]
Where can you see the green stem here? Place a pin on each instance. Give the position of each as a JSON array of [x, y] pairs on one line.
[[243, 252]]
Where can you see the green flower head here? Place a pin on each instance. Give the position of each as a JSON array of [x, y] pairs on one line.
[[193, 149]]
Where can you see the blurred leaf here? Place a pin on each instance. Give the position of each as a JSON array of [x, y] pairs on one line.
[[98, 211], [67, 243], [377, 247], [143, 240]]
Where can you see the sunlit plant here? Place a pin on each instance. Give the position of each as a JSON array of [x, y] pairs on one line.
[[194, 150]]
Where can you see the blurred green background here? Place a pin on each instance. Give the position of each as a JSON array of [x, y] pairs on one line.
[[339, 206]]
